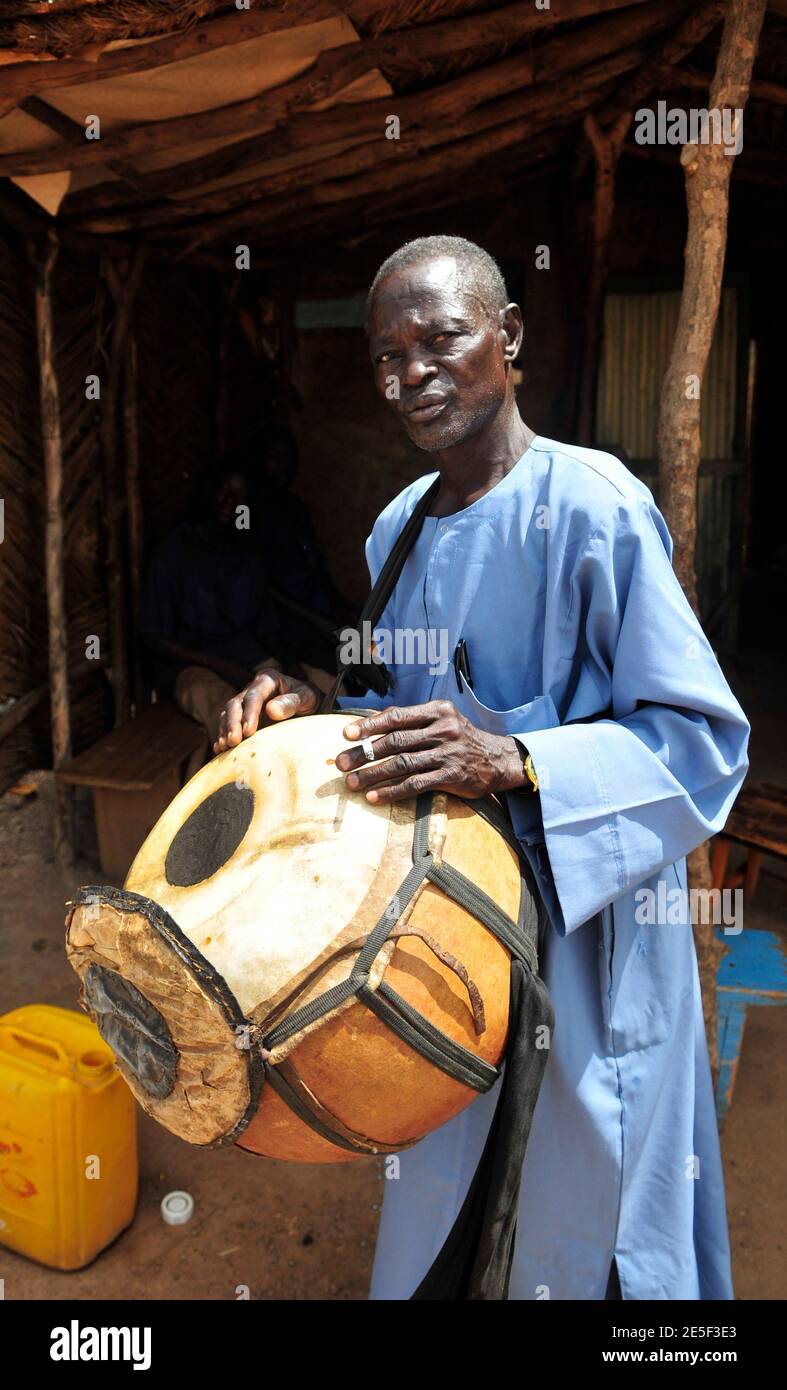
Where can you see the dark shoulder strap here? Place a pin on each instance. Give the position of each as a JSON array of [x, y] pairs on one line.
[[386, 579], [374, 606]]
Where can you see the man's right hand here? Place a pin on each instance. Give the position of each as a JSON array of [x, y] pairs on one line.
[[270, 697]]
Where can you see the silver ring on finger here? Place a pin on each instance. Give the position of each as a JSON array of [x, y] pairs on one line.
[[367, 745]]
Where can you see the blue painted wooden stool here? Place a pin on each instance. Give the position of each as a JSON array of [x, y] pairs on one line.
[[754, 972]]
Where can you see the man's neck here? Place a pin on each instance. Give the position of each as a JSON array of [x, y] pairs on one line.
[[474, 466]]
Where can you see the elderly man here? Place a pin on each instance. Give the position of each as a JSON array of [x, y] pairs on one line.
[[584, 690]]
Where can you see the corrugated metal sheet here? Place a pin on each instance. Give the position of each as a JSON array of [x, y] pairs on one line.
[[638, 334], [717, 555], [639, 330]]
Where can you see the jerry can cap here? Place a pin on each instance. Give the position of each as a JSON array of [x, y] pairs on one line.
[[177, 1208]]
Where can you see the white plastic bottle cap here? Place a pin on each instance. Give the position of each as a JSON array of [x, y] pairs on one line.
[[177, 1208]]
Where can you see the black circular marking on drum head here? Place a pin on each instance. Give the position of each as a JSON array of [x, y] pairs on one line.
[[133, 1028], [210, 836]]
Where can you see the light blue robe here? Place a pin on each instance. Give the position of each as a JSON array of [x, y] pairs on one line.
[[560, 581]]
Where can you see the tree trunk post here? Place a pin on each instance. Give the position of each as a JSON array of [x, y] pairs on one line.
[[123, 288], [134, 501], [53, 540], [606, 144], [707, 169]]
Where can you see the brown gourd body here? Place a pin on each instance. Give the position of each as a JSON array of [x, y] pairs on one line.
[[252, 896]]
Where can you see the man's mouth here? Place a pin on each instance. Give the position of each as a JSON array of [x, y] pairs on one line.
[[425, 408]]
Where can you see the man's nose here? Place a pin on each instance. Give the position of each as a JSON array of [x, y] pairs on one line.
[[417, 370]]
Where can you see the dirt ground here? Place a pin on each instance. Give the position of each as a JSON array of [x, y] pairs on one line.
[[283, 1230], [296, 1232]]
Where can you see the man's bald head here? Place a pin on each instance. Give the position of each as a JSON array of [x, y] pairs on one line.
[[478, 272], [442, 339]]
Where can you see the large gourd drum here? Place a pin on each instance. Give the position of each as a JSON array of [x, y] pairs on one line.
[[293, 969]]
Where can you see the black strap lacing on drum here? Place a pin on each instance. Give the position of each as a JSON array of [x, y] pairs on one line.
[[401, 1017]]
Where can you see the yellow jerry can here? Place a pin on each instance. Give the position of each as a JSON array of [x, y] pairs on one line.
[[68, 1138]]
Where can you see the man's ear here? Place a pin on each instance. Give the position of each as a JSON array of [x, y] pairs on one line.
[[513, 327]]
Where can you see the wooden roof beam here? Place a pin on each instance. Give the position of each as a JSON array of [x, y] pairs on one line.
[[541, 157], [694, 28], [751, 166], [453, 157], [540, 106], [331, 224], [24, 79], [564, 54], [73, 134], [760, 90], [332, 71], [61, 26]]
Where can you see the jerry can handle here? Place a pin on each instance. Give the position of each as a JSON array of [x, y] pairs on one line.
[[33, 1042]]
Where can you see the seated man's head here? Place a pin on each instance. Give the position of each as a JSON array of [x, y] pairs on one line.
[[442, 338], [268, 455], [230, 491]]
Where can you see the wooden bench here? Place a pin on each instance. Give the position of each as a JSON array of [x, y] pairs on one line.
[[758, 820], [753, 973], [134, 772]]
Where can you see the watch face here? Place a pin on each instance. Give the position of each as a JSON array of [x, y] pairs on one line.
[[527, 765]]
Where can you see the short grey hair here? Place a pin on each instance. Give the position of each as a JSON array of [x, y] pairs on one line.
[[483, 275]]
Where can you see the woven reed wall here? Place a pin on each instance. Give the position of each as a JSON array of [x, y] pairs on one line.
[[23, 656], [177, 317], [175, 333]]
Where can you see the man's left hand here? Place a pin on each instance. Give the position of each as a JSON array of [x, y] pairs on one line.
[[428, 748]]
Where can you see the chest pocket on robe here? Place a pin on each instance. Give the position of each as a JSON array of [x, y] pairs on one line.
[[534, 714]]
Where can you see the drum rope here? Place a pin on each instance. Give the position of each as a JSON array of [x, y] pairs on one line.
[[402, 1018], [450, 1056]]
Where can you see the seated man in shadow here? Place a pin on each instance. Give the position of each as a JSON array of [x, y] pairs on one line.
[[310, 603], [207, 615]]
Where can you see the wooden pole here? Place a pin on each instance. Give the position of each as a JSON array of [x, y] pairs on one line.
[[123, 287], [134, 502], [607, 144], [707, 169], [55, 586], [112, 509], [606, 131]]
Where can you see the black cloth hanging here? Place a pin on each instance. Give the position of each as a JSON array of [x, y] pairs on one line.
[[475, 1261]]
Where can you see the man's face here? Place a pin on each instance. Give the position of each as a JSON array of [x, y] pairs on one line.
[[231, 493], [431, 333]]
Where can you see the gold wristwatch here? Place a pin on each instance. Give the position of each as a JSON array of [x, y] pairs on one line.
[[527, 765]]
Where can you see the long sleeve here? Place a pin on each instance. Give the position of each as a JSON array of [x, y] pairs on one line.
[[622, 797]]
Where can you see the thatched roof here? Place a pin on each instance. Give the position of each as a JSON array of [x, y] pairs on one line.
[[271, 122]]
